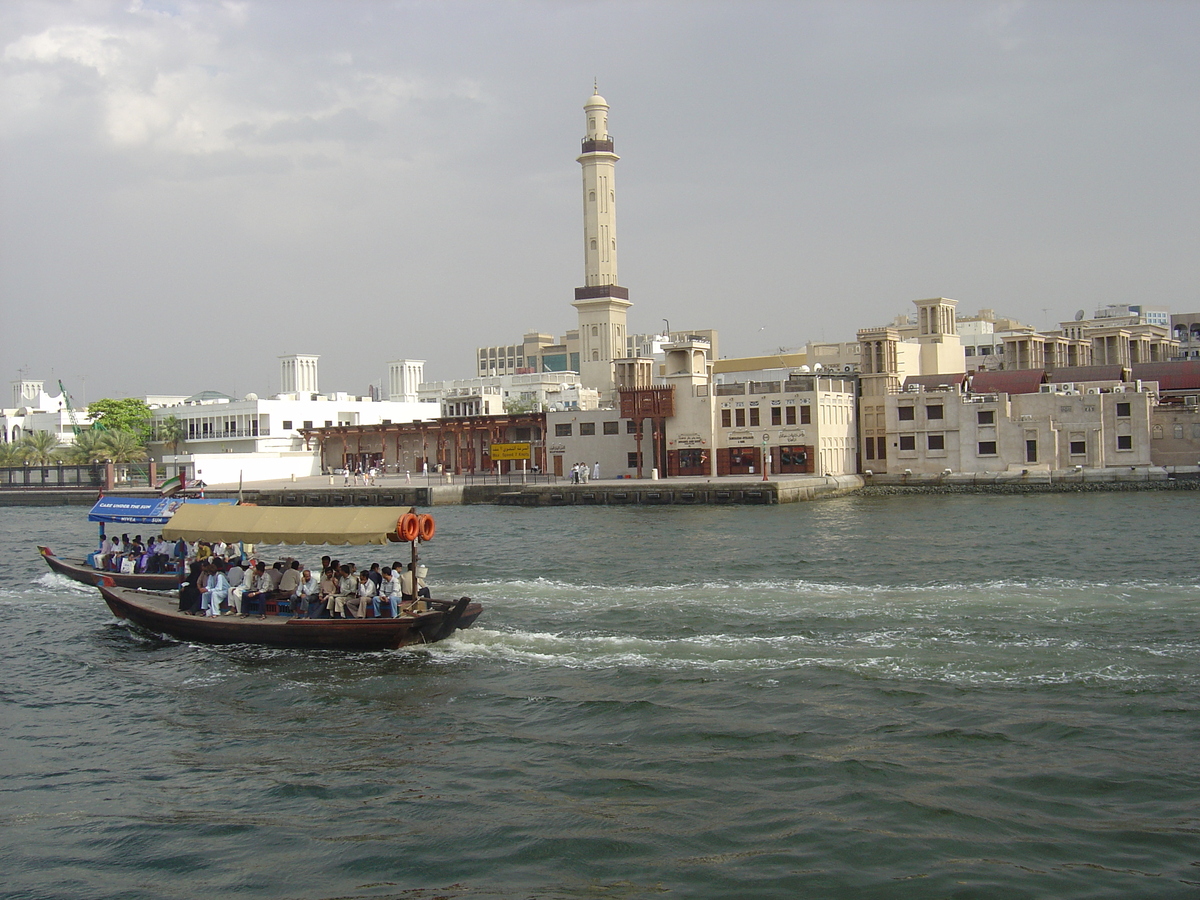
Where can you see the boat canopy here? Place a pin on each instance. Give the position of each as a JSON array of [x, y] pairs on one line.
[[141, 510], [287, 524]]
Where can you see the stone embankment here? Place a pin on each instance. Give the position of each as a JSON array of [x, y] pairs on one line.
[[317, 491]]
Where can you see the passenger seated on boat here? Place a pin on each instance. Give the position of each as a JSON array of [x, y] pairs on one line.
[[276, 575], [189, 592], [290, 579], [389, 591], [216, 591], [347, 589], [357, 605], [304, 594], [326, 591], [257, 588]]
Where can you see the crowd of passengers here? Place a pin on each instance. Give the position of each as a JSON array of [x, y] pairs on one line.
[[154, 556], [217, 585]]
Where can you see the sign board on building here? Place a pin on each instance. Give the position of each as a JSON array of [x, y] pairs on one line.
[[510, 451]]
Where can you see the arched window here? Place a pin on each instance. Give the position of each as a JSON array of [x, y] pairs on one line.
[[595, 331], [593, 243], [592, 196], [595, 356]]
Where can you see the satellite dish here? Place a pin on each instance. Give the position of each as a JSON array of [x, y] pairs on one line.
[[1079, 314]]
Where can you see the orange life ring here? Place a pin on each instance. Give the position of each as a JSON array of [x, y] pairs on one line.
[[428, 528], [409, 527]]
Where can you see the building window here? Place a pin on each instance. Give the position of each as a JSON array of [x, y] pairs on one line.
[[870, 448], [631, 459], [1124, 441], [1078, 448], [287, 424], [986, 417], [936, 441], [630, 427], [805, 415], [987, 448], [754, 416], [727, 418], [587, 428], [882, 444], [739, 418], [1123, 410], [1178, 431], [563, 429], [610, 427], [777, 415], [908, 442], [790, 415], [933, 411], [906, 413]]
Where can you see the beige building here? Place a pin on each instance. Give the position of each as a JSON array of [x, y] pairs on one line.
[[887, 360], [1060, 427]]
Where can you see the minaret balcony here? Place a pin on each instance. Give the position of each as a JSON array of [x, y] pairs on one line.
[[601, 291], [597, 145]]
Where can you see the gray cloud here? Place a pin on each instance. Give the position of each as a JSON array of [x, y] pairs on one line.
[[191, 189]]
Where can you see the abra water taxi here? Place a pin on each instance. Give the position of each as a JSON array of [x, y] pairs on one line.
[[138, 512], [159, 613]]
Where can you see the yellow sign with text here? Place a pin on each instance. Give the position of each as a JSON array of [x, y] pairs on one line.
[[510, 451]]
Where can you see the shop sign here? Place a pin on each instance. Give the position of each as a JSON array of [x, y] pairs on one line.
[[510, 451]]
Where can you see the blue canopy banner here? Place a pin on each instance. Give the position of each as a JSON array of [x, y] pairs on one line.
[[141, 510]]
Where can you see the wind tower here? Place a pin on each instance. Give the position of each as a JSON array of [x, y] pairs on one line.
[[601, 302]]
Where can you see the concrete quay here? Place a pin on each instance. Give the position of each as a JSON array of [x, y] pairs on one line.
[[394, 491], [732, 490]]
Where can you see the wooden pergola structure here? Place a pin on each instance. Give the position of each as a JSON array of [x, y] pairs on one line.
[[456, 445]]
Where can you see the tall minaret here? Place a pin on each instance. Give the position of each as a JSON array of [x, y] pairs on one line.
[[601, 303]]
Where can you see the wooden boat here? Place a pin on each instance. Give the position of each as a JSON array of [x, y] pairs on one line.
[[79, 570], [294, 525], [159, 613], [139, 512]]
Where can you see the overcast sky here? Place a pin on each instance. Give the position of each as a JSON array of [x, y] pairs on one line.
[[192, 189]]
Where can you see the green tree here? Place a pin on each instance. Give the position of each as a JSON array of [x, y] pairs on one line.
[[170, 432], [8, 454], [38, 448], [129, 414], [122, 447]]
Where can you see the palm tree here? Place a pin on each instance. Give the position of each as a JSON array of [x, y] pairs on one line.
[[38, 448], [122, 446], [88, 448], [170, 431], [8, 454]]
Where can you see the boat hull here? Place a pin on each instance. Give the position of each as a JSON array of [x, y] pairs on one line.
[[158, 613], [79, 570]]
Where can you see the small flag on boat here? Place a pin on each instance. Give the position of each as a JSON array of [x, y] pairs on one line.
[[171, 486]]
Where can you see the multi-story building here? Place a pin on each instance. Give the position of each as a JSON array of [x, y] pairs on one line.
[[957, 428], [532, 392], [34, 410], [225, 439], [1185, 328]]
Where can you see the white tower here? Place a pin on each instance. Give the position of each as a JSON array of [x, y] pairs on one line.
[[298, 374], [601, 303], [403, 377]]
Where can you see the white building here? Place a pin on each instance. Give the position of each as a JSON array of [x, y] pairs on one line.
[[226, 440], [497, 394], [34, 410]]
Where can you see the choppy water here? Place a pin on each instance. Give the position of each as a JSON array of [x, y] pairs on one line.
[[908, 697]]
